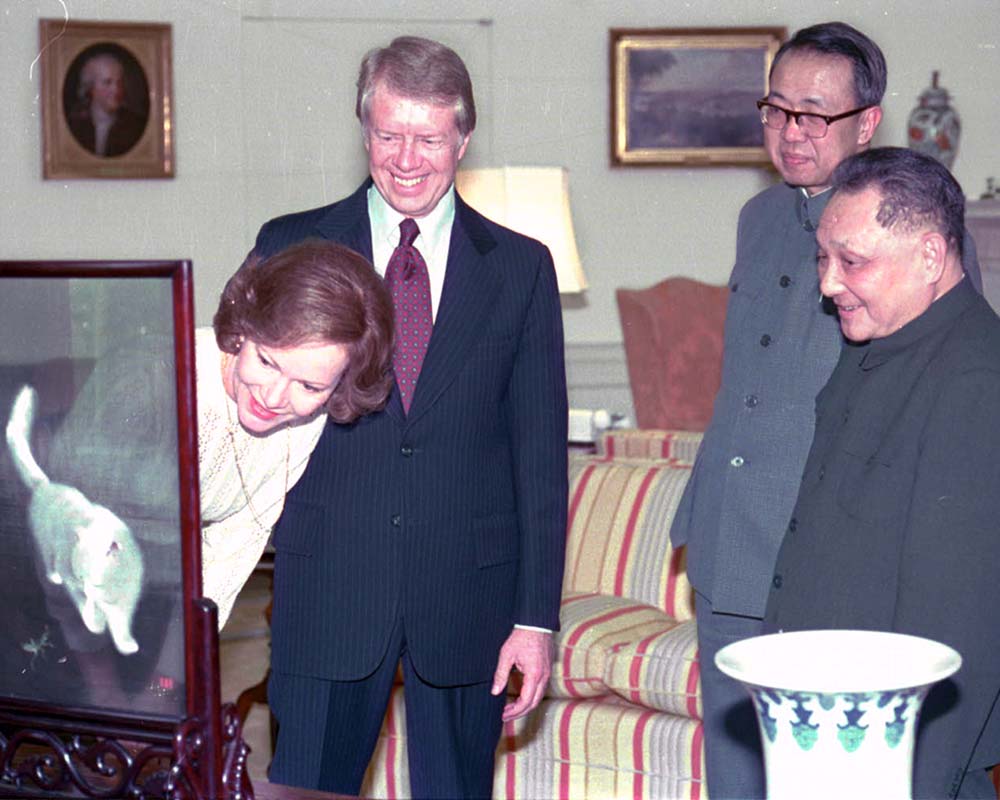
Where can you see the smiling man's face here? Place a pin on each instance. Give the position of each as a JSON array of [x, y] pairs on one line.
[[821, 84], [413, 151], [875, 276]]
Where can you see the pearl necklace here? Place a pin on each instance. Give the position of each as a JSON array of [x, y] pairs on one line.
[[230, 431]]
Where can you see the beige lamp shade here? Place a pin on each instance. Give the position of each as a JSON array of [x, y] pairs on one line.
[[533, 201]]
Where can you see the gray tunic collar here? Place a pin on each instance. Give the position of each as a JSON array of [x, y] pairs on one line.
[[810, 209]]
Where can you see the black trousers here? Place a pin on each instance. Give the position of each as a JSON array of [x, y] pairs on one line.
[[327, 730]]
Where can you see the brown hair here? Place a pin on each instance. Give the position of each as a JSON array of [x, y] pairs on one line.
[[316, 291], [420, 69]]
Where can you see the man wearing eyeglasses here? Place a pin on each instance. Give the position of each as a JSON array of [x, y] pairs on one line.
[[781, 344]]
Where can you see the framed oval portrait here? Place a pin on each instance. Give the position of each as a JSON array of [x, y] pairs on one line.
[[106, 99]]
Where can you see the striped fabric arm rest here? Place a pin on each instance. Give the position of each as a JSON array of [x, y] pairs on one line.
[[604, 749], [592, 628], [659, 671], [618, 537], [645, 443]]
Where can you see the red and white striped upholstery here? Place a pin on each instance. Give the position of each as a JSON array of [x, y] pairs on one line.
[[618, 542], [599, 749], [574, 749], [678, 446], [621, 717]]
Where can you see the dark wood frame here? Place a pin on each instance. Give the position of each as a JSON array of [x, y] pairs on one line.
[[622, 41], [201, 755], [148, 45]]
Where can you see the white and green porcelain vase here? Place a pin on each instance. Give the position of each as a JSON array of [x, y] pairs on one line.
[[838, 709]]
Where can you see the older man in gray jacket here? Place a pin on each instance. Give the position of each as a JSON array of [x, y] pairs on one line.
[[781, 345]]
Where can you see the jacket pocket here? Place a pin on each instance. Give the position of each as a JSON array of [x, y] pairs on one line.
[[873, 488], [299, 528], [497, 540]]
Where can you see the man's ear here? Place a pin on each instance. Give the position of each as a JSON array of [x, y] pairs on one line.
[[933, 256], [868, 122], [463, 145]]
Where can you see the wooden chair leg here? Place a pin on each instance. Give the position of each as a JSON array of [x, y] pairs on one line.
[[255, 694]]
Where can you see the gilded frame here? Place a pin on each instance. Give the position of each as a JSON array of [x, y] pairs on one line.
[[664, 82], [140, 142]]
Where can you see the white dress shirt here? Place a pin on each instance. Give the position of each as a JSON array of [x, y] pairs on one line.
[[432, 242]]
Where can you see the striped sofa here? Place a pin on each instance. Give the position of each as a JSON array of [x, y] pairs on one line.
[[621, 716]]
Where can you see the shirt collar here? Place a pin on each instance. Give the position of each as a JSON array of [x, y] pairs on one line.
[[941, 312], [434, 226]]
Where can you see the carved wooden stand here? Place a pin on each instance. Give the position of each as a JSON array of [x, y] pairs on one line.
[[45, 754]]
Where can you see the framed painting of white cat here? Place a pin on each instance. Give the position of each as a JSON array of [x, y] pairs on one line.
[[104, 627]]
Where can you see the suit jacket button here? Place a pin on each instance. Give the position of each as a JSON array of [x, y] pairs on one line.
[[396, 520], [765, 340], [406, 450], [776, 583]]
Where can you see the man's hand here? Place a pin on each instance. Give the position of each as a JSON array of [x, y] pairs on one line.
[[531, 653]]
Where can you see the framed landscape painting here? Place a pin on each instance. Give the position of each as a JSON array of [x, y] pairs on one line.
[[686, 95]]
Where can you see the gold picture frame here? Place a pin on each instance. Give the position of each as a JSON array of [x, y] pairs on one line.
[[685, 96], [126, 132]]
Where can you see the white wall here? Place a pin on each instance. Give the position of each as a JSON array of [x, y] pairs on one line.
[[549, 105]]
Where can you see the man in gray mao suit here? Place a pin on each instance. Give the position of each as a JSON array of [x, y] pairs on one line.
[[781, 345]]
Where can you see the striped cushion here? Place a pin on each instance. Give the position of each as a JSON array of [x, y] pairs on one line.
[[679, 446], [659, 671], [570, 750], [599, 749], [592, 628], [618, 540]]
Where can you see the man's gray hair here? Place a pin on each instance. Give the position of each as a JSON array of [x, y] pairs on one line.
[[917, 191], [89, 73], [418, 69]]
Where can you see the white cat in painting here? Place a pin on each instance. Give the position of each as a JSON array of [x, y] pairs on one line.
[[83, 546]]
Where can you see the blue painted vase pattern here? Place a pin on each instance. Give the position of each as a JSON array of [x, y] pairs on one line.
[[856, 715]]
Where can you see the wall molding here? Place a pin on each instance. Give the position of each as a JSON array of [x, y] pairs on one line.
[[597, 377]]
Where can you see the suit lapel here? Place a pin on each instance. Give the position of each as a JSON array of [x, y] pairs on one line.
[[347, 222], [467, 299]]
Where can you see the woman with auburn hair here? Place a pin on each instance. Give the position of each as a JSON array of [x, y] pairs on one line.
[[304, 331], [298, 337]]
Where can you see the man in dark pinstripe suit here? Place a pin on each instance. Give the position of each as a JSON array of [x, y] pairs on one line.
[[433, 535]]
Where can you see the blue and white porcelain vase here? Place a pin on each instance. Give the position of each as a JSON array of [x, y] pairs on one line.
[[934, 127], [838, 709]]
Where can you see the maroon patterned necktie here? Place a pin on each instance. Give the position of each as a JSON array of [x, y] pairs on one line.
[[406, 276]]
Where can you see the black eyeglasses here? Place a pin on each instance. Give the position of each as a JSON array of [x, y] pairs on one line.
[[812, 125]]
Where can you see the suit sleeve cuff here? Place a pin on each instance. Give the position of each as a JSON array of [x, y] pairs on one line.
[[533, 628]]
